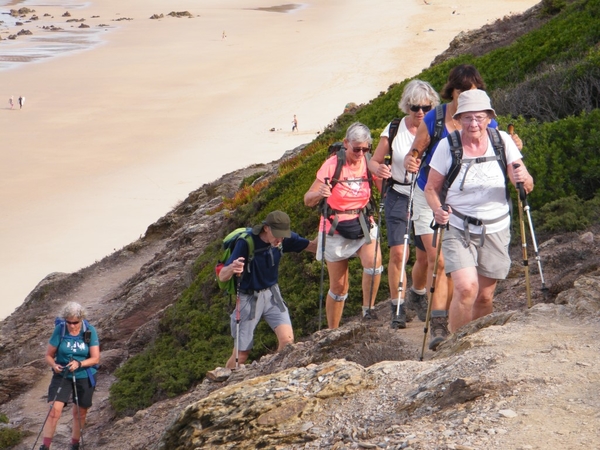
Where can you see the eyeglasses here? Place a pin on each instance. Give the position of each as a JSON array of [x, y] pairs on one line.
[[416, 108], [469, 119], [361, 149], [72, 323]]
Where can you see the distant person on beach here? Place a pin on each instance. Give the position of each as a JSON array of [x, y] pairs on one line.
[[21, 102], [11, 102], [223, 36], [295, 124], [258, 288]]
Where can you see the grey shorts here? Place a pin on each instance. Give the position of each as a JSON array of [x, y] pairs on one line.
[[492, 260], [422, 213], [396, 217], [267, 303]]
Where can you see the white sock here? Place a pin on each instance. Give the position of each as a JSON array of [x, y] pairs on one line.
[[419, 291]]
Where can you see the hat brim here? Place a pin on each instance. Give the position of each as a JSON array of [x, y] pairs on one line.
[[281, 233]]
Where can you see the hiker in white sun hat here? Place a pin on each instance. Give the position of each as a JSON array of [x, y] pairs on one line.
[[467, 191]]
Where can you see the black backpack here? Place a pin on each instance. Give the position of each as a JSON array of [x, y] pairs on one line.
[[456, 150]]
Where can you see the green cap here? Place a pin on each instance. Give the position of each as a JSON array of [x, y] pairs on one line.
[[279, 222]]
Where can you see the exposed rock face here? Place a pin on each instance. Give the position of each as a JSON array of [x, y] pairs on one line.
[[263, 411]]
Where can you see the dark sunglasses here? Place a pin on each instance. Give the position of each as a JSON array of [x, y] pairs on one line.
[[72, 323], [416, 108], [361, 149]]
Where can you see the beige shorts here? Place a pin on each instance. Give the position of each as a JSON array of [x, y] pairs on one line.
[[338, 248], [422, 213], [492, 260]]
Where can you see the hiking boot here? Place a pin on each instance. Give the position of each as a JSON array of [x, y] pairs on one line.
[[74, 446], [439, 331], [398, 320], [43, 447], [369, 315], [418, 303]]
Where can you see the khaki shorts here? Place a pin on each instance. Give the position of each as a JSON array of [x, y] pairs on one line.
[[492, 260], [338, 248], [422, 213]]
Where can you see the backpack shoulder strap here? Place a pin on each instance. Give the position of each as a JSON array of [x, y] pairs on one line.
[[247, 236], [438, 128], [499, 148], [393, 131], [456, 152], [341, 160]]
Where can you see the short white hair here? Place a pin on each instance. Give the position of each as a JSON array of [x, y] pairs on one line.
[[73, 309], [418, 92]]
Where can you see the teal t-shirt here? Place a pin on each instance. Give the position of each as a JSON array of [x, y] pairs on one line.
[[74, 347]]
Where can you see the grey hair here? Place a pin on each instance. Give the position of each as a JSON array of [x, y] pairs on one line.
[[358, 132], [418, 92], [73, 309]]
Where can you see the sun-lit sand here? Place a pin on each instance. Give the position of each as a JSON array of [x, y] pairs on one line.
[[110, 138]]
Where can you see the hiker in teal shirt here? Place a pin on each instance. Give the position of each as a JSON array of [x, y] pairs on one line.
[[73, 352]]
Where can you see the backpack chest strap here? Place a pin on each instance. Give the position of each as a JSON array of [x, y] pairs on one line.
[[471, 161]]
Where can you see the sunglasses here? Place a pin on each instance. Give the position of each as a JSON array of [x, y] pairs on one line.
[[361, 149], [72, 323], [416, 108]]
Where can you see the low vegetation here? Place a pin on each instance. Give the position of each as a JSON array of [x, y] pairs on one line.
[[546, 83]]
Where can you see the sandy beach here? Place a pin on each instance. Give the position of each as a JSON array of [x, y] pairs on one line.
[[141, 112]]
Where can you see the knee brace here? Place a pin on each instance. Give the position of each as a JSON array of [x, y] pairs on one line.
[[338, 298], [371, 271]]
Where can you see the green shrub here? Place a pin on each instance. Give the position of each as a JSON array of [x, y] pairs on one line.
[[10, 437], [562, 155]]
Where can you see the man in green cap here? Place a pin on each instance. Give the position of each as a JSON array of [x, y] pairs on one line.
[[258, 291]]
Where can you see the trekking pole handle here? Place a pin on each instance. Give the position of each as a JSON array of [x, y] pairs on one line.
[[520, 186], [511, 129]]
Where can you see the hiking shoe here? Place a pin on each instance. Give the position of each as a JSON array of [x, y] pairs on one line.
[[398, 320], [418, 303], [369, 315], [439, 331], [43, 447], [74, 446]]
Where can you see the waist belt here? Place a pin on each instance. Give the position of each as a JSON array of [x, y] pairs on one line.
[[468, 220], [393, 182], [361, 219]]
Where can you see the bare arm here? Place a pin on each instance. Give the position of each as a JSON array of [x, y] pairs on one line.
[[376, 165], [412, 161], [316, 192], [520, 175], [433, 189], [312, 246], [235, 267]]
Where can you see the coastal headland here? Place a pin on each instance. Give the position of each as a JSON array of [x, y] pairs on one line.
[[142, 111]]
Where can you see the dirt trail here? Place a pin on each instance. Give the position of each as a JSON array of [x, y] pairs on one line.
[[93, 293]]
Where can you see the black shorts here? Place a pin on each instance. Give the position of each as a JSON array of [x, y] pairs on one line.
[[396, 217], [85, 390]]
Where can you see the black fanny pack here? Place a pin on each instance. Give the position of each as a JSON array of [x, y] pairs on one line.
[[350, 229]]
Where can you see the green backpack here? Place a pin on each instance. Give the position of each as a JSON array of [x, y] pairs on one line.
[[228, 245]]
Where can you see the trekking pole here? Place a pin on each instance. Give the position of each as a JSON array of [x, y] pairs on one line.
[[523, 241], [64, 377], [401, 292], [237, 323], [387, 161], [523, 197], [78, 408], [324, 214], [433, 282]]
